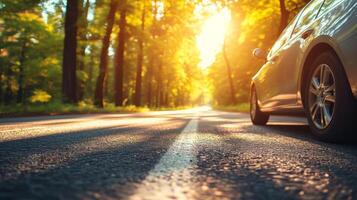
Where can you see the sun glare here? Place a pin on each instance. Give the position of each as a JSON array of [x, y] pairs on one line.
[[211, 38]]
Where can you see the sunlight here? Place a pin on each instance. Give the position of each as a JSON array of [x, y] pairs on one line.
[[211, 38]]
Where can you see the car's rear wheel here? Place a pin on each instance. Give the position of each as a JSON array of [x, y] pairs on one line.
[[256, 115], [329, 103]]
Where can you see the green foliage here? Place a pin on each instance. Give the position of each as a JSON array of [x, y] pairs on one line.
[[242, 107], [33, 52], [56, 107], [12, 6], [31, 45]]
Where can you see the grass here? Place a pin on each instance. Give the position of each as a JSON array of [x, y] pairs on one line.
[[170, 108], [242, 107], [57, 108]]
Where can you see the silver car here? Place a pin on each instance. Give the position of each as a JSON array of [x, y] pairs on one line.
[[312, 69]]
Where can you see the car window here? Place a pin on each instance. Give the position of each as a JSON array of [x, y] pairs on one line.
[[307, 16], [328, 4], [284, 36]]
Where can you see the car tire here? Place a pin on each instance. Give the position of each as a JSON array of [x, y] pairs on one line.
[[328, 100], [256, 115]]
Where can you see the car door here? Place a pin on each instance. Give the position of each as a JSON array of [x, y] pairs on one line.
[[284, 59], [268, 76]]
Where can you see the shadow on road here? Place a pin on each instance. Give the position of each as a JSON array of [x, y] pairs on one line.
[[68, 165], [279, 161]]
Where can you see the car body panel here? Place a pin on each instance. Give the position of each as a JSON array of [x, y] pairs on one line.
[[343, 30], [270, 74], [278, 82]]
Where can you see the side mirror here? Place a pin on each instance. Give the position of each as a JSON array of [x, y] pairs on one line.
[[259, 53]]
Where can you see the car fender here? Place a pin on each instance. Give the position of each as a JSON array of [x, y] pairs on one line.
[[320, 40]]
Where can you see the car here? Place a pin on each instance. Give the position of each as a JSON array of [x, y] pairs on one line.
[[312, 70]]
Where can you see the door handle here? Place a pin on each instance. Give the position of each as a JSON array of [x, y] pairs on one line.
[[307, 33]]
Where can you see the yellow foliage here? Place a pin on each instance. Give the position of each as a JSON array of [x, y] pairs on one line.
[[30, 17], [40, 96]]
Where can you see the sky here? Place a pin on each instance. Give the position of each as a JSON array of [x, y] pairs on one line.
[[49, 6]]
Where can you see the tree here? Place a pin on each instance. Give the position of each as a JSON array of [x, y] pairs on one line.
[[25, 39], [152, 62], [119, 60], [229, 73], [138, 82], [157, 38], [69, 64], [284, 16], [103, 66], [82, 37], [20, 92]]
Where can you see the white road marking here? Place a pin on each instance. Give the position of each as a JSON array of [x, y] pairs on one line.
[[171, 177]]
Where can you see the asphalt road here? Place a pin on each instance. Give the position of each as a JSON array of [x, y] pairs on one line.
[[191, 154]]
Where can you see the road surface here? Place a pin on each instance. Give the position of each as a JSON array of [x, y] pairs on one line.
[[190, 154]]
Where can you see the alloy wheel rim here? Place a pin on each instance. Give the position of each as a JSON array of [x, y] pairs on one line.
[[322, 96]]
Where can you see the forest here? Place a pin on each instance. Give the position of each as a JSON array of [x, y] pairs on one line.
[[140, 53]]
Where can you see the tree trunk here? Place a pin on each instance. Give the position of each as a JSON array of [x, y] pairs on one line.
[[159, 86], [229, 73], [284, 16], [139, 69], [1, 87], [103, 66], [90, 72], [166, 98], [20, 92], [149, 84], [69, 53], [8, 94], [162, 97], [82, 32], [150, 73], [119, 61]]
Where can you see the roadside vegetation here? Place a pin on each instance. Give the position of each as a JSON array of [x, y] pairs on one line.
[[243, 107], [132, 55], [58, 108]]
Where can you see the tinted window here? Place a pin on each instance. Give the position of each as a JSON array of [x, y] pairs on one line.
[[308, 15], [328, 4], [284, 36]]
